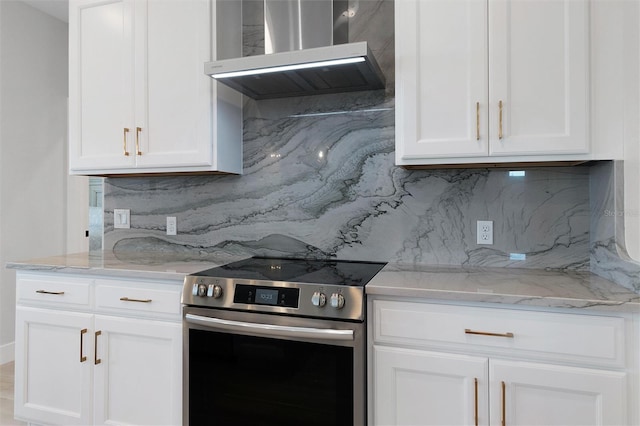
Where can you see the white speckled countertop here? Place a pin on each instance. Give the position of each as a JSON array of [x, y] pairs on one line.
[[529, 287]]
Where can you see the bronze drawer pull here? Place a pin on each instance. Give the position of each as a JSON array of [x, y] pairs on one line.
[[484, 333], [126, 299], [59, 293]]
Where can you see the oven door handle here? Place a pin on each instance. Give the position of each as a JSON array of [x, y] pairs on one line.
[[271, 329]]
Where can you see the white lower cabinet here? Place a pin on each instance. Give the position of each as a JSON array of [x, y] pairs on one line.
[[138, 380], [415, 387], [79, 368], [545, 394], [429, 372], [52, 382]]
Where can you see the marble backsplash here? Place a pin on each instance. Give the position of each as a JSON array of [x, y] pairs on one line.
[[328, 187], [319, 180], [609, 257]]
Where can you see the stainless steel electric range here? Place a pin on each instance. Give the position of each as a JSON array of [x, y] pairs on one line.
[[276, 341]]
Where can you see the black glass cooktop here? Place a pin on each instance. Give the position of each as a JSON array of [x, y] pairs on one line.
[[329, 272]]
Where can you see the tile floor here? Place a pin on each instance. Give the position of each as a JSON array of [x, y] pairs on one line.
[[6, 395]]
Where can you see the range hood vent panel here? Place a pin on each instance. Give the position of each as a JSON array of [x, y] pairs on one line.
[[259, 78]]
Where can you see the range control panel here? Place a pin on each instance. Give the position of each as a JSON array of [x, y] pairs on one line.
[[301, 299]]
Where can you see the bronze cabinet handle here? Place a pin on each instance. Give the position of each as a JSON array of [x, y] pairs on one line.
[[504, 405], [96, 360], [485, 333], [477, 121], [58, 293], [124, 141], [138, 130], [475, 380], [127, 299], [82, 333], [500, 135]]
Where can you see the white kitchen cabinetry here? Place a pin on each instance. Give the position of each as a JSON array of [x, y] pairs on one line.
[[446, 364], [138, 380], [481, 81], [52, 384], [544, 394], [404, 379], [139, 101], [97, 351]]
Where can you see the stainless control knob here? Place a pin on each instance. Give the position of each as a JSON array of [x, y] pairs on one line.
[[318, 299], [202, 290], [216, 292], [337, 301]]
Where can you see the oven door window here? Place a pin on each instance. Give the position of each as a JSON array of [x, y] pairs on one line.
[[243, 380]]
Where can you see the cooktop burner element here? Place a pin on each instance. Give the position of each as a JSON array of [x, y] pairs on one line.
[[286, 286]]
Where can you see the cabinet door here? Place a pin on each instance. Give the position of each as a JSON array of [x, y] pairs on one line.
[[100, 84], [538, 62], [544, 394], [138, 379], [441, 79], [52, 380], [173, 95], [414, 387]]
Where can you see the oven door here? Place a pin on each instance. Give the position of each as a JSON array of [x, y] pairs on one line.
[[244, 368]]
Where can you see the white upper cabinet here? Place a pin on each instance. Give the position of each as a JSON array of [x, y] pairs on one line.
[[100, 85], [441, 77], [139, 99], [538, 69], [491, 80]]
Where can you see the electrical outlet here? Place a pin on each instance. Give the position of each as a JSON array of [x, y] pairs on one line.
[[172, 226], [121, 218], [485, 232]]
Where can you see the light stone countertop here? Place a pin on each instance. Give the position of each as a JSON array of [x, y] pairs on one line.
[[133, 265], [526, 287]]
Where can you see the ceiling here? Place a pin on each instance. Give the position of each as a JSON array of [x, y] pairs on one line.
[[56, 8]]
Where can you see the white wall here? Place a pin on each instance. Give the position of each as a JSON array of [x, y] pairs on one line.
[[632, 140], [33, 138], [5, 345]]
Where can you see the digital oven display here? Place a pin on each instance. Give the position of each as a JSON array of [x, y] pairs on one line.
[[274, 296], [266, 297]]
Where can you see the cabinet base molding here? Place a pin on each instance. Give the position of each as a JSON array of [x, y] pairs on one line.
[[162, 174], [498, 165]]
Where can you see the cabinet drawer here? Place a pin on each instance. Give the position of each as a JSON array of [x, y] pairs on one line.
[[548, 335], [49, 290], [138, 298]]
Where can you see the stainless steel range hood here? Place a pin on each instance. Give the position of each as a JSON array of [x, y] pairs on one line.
[[302, 55]]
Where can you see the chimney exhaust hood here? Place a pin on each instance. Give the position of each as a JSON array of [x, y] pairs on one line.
[[301, 58]]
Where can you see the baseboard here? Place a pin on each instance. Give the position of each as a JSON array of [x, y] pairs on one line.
[[7, 353]]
